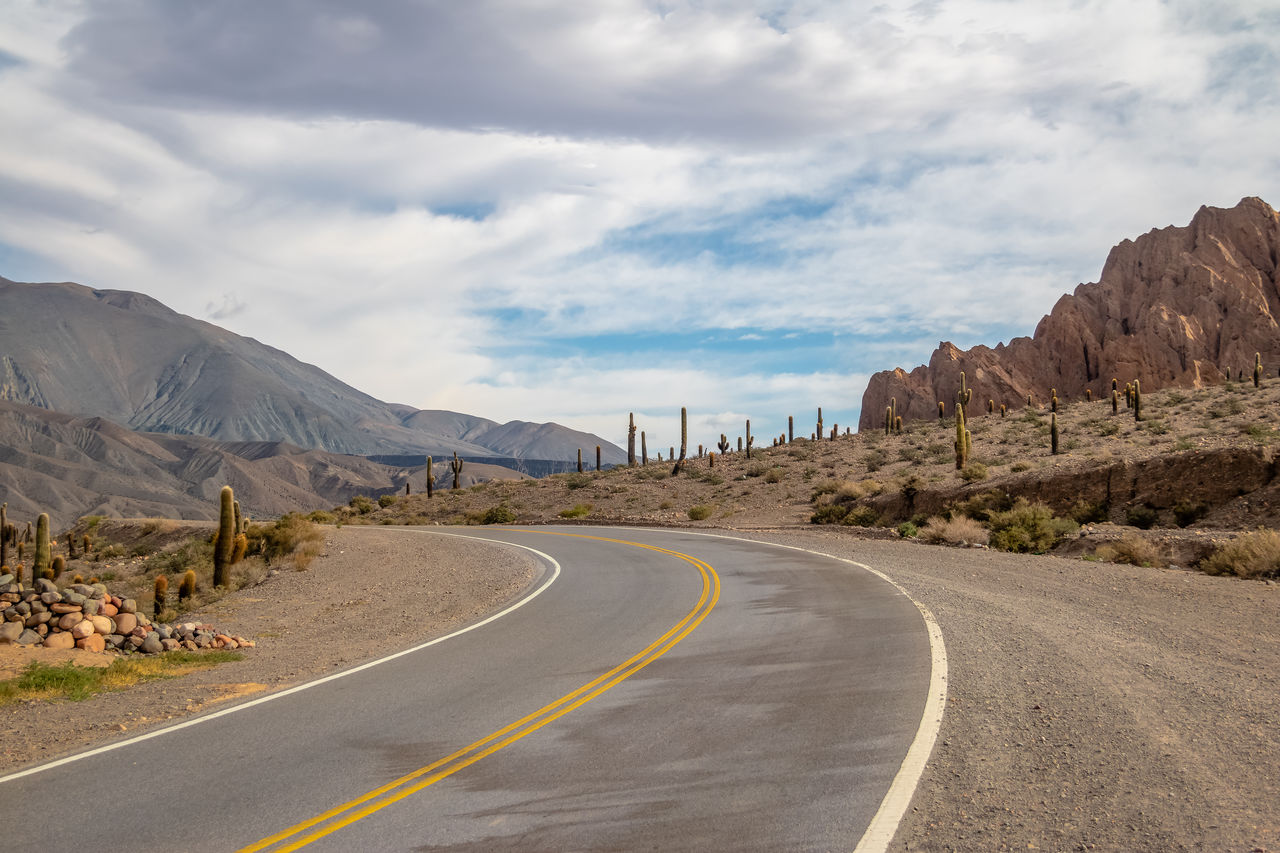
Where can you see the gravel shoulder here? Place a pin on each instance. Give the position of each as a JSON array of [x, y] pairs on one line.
[[373, 591], [1091, 706]]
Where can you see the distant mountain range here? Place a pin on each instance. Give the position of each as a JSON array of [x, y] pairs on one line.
[[112, 403]]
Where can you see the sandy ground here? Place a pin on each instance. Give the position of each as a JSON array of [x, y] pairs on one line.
[[356, 602]]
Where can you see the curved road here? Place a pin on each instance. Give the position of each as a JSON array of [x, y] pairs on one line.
[[664, 691]]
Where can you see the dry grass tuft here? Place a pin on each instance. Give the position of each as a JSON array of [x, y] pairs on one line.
[[959, 530], [1132, 549], [1250, 555]]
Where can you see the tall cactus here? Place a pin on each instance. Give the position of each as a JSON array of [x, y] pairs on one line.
[[1137, 401], [888, 419], [723, 444], [684, 440], [1257, 370], [791, 429], [456, 465], [4, 535], [962, 446], [597, 457], [942, 410], [1053, 434], [631, 440], [644, 450], [1115, 402], [161, 593], [43, 555], [431, 480], [225, 543], [750, 438], [235, 505], [819, 432]]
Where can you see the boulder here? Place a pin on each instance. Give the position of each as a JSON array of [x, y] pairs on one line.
[[125, 623], [102, 625], [92, 643], [61, 640], [152, 644], [10, 632], [82, 629]]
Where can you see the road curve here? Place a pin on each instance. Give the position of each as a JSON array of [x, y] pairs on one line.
[[668, 691]]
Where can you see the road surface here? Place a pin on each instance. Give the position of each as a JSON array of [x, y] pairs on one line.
[[662, 690]]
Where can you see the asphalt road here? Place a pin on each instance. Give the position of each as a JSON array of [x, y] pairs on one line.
[[741, 696]]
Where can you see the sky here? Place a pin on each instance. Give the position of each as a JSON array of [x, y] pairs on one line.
[[566, 211]]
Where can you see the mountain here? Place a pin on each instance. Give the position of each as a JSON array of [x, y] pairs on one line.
[[128, 358], [1179, 306]]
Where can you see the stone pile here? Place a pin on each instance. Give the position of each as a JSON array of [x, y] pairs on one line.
[[87, 616]]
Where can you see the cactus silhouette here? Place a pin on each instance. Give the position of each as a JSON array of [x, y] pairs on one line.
[[456, 465], [1053, 434], [684, 440], [43, 555], [225, 542], [161, 593], [631, 440], [431, 482]]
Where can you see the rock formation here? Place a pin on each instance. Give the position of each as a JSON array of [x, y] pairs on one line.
[[1176, 307]]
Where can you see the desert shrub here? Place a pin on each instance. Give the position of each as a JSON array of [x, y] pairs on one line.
[[757, 469], [1142, 517], [1187, 512], [861, 516], [711, 478], [194, 554], [1110, 427], [829, 514], [1155, 427], [291, 537], [910, 454], [907, 530], [577, 511], [666, 505], [774, 475], [826, 487], [361, 504], [1028, 528], [1132, 549], [1019, 467], [873, 459], [958, 530], [1250, 555], [385, 501], [1261, 433], [500, 514], [1088, 512], [321, 516], [979, 507], [699, 512], [577, 481], [973, 472]]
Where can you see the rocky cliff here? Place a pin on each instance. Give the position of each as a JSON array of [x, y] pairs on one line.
[[1177, 306]]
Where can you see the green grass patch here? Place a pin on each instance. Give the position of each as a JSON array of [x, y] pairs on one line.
[[77, 683], [576, 511]]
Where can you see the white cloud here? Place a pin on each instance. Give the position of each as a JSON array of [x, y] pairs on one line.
[[380, 188]]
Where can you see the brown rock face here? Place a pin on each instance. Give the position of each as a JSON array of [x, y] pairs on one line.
[[1176, 307]]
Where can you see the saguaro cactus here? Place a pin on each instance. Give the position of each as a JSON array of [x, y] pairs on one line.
[[888, 419], [1137, 401], [4, 535], [750, 438], [161, 593], [225, 543], [1257, 370], [1115, 402], [431, 480], [631, 441], [819, 432], [684, 440], [597, 457], [724, 444], [942, 410], [644, 450], [1053, 434], [43, 557], [791, 429], [962, 447], [456, 465]]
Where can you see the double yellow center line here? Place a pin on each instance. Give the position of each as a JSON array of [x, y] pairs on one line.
[[302, 834]]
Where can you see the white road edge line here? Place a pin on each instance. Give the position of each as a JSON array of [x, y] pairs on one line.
[[880, 831], [555, 573]]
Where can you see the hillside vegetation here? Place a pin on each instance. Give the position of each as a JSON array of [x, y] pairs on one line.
[[1167, 488]]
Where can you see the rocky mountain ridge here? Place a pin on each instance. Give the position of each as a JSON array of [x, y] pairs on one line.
[[1178, 306]]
